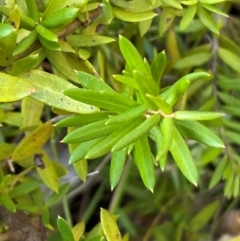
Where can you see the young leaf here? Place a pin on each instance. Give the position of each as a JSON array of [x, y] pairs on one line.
[[131, 55], [166, 126], [183, 157], [199, 132], [46, 34], [33, 141], [14, 88], [64, 229], [104, 99], [143, 159], [109, 226], [49, 90], [158, 66], [117, 165], [136, 133]]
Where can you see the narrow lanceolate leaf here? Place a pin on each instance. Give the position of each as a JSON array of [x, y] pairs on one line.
[[158, 66], [161, 104], [14, 88], [109, 226], [166, 126], [49, 90], [199, 132], [176, 91], [188, 16], [89, 132], [105, 146], [117, 165], [8, 202], [230, 59], [183, 157], [65, 229], [46, 34], [218, 173], [196, 115], [140, 130], [127, 115], [33, 141], [80, 152], [206, 19], [143, 159], [131, 55], [104, 99], [89, 81], [78, 230], [87, 40], [81, 120]]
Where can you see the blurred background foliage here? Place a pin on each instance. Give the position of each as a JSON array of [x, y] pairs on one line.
[[60, 36]]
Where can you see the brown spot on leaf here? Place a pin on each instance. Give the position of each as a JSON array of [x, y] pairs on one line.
[[38, 160]]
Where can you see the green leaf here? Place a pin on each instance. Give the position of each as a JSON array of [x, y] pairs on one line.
[[105, 146], [81, 120], [51, 45], [127, 115], [228, 188], [188, 16], [89, 132], [49, 90], [81, 151], [173, 3], [33, 10], [165, 22], [81, 168], [46, 34], [196, 59], [145, 83], [143, 159], [25, 188], [109, 226], [230, 59], [116, 167], [228, 83], [199, 132], [236, 186], [172, 94], [89, 81], [214, 9], [107, 11], [183, 157], [8, 202], [161, 104], [64, 229], [206, 19], [129, 81], [33, 141], [25, 43], [166, 126], [132, 17], [88, 40], [196, 115], [157, 67], [136, 133], [131, 55], [218, 173], [14, 88], [61, 17], [56, 197], [104, 99], [202, 218]]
